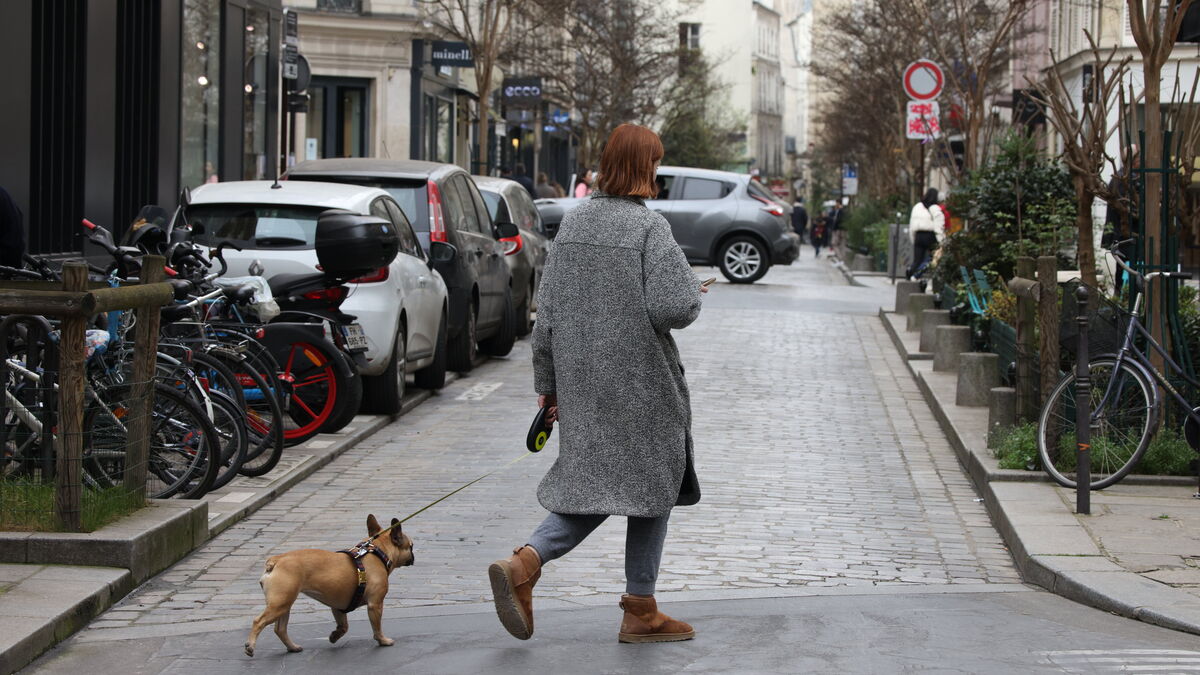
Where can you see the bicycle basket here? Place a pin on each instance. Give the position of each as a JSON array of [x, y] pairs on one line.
[[1107, 322]]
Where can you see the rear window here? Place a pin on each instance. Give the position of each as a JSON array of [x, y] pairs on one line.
[[409, 194], [256, 225]]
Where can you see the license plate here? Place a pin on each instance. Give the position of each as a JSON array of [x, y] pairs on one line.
[[356, 339]]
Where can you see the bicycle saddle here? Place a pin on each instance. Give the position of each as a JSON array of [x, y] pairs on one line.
[[241, 294]]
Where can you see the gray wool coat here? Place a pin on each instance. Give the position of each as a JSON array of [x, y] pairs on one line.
[[613, 288]]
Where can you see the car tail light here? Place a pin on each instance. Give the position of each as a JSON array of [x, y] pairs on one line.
[[375, 277], [512, 245], [437, 226], [335, 294], [771, 207]]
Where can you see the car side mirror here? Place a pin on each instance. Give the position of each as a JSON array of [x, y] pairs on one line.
[[441, 253], [506, 230], [185, 197]]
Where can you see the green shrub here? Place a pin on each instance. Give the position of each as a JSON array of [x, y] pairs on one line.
[[1168, 455], [1016, 447], [1020, 203]]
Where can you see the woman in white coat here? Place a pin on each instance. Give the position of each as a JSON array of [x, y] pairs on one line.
[[927, 227]]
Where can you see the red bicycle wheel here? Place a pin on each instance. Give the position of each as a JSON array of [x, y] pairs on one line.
[[314, 379]]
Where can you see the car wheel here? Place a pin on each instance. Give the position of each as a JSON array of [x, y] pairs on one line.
[[350, 406], [502, 342], [460, 356], [385, 391], [433, 376], [743, 260], [525, 313]]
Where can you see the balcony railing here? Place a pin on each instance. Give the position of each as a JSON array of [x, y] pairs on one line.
[[340, 6]]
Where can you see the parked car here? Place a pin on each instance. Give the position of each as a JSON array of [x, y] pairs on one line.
[[718, 218], [509, 202], [444, 205], [402, 307]]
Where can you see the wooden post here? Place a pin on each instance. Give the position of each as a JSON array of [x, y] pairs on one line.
[[1048, 320], [1027, 407], [145, 357], [68, 492]]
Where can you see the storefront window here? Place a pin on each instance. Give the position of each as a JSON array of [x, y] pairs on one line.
[[445, 132], [256, 88], [200, 91]]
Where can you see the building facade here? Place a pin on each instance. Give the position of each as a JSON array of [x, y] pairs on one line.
[[120, 103]]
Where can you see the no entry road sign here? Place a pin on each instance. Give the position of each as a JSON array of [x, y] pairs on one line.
[[923, 80]]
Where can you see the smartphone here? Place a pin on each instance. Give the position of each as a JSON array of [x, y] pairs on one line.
[[708, 282]]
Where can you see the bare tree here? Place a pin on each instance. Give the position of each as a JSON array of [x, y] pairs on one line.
[[972, 40], [611, 62], [483, 25], [1085, 132], [860, 63], [1154, 28]]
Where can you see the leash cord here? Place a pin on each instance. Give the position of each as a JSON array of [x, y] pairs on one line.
[[449, 494]]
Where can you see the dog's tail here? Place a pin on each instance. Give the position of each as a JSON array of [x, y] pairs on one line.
[[267, 568]]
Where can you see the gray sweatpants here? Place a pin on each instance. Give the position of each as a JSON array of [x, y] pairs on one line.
[[644, 537]]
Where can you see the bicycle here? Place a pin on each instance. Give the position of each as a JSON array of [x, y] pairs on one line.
[[1126, 404]]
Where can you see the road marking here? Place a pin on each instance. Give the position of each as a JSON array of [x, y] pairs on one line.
[[1124, 660], [479, 391]]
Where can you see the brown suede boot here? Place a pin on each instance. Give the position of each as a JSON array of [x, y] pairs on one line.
[[512, 590], [644, 623]]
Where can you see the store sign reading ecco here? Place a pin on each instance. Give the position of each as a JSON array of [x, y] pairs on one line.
[[522, 90]]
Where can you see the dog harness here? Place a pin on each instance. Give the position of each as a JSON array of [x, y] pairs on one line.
[[357, 553]]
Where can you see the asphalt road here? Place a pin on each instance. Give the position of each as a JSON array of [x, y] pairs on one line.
[[837, 533]]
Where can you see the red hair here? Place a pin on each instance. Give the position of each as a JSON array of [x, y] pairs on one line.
[[627, 163]]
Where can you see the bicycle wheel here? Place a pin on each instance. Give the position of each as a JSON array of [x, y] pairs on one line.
[[183, 452], [262, 411], [1124, 416], [230, 424], [317, 387], [218, 377]]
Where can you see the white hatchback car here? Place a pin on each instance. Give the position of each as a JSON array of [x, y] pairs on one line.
[[401, 307]]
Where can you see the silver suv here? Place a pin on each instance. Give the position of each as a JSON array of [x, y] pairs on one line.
[[718, 218]]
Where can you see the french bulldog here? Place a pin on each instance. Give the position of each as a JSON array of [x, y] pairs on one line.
[[333, 578]]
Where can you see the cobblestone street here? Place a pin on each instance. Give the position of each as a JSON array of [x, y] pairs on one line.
[[821, 467]]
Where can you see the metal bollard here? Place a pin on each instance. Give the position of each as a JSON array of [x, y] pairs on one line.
[[1083, 409]]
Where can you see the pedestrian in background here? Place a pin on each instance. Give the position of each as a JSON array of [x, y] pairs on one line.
[[605, 364], [927, 228], [819, 234], [543, 189], [520, 177], [837, 223], [799, 217], [558, 189], [584, 187]]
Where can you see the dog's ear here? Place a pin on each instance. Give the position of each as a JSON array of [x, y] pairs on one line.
[[373, 527], [395, 531]]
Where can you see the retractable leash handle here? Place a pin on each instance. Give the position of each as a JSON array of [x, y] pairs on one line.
[[539, 431]]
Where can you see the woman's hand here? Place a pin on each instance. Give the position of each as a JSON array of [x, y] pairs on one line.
[[703, 288], [552, 414]]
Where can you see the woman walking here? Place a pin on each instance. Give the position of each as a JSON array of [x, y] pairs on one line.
[[605, 363], [927, 227], [584, 187]]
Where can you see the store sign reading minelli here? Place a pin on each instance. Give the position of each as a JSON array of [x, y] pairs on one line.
[[522, 91], [454, 54]]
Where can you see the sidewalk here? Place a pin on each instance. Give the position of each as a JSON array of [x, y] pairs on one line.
[[1137, 554], [41, 605]]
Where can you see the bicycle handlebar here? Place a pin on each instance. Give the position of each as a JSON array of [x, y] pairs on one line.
[[1177, 274]]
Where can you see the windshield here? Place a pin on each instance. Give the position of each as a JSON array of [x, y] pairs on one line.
[[256, 225], [408, 193]]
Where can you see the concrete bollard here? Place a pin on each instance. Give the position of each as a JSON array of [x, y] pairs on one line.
[[1002, 411], [930, 320], [903, 290], [948, 343], [917, 303], [978, 372]]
